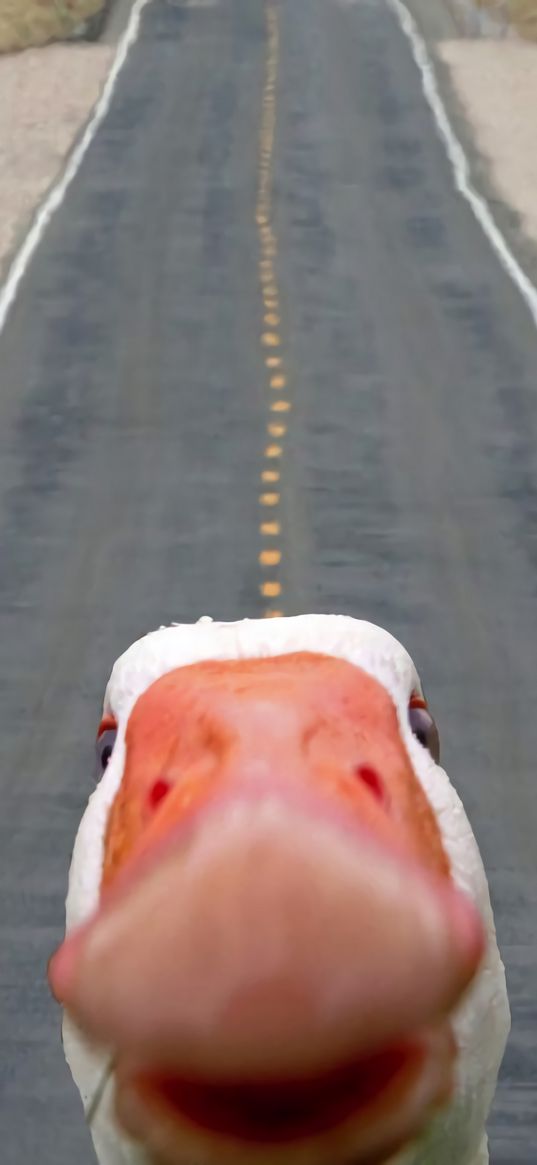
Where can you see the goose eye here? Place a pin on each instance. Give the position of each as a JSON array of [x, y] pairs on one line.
[[424, 729], [105, 746]]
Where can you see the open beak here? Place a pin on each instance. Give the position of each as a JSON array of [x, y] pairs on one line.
[[270, 973]]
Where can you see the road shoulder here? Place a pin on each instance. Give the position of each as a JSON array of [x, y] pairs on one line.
[[47, 95], [35, 142], [489, 87]]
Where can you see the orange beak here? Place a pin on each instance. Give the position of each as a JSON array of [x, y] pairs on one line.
[[274, 888]]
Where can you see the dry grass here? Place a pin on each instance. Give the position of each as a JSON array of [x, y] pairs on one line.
[[522, 13], [36, 22]]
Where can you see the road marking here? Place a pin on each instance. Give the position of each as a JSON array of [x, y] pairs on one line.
[[270, 529], [459, 161], [271, 590], [56, 195], [270, 557], [277, 430]]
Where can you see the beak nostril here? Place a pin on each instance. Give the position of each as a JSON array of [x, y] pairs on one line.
[[158, 791], [369, 776]]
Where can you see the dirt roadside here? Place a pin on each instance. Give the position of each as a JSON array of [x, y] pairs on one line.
[[488, 79], [46, 96], [495, 82]]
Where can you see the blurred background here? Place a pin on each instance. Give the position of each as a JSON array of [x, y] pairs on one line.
[[184, 431]]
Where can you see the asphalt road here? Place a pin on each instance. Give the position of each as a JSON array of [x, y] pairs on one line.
[[133, 410]]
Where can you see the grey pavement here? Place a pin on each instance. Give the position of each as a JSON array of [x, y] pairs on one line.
[[132, 414]]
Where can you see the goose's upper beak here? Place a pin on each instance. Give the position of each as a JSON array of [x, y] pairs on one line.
[[279, 941]]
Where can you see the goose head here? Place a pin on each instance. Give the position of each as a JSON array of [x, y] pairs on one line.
[[276, 905]]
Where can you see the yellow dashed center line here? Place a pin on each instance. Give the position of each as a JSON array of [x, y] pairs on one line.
[[271, 590], [270, 529], [270, 557]]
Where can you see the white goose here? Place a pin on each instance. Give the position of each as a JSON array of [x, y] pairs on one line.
[[361, 694]]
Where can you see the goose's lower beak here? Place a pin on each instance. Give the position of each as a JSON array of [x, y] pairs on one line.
[[271, 975]]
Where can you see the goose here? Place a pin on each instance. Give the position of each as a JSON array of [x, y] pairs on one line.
[[270, 800]]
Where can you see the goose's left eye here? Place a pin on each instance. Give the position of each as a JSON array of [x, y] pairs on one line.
[[424, 727], [105, 746]]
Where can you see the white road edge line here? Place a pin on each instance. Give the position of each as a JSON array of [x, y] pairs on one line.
[[459, 161], [56, 195]]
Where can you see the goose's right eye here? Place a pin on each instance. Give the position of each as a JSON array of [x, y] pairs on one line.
[[105, 744], [424, 727]]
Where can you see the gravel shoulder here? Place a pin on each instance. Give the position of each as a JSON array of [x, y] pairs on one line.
[[46, 97], [488, 78], [496, 85]]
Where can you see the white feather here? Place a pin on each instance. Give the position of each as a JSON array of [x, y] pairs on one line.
[[482, 1024]]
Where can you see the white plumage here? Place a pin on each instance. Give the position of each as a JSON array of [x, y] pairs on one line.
[[457, 1137]]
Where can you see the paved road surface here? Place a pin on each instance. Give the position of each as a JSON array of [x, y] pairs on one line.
[[133, 408]]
